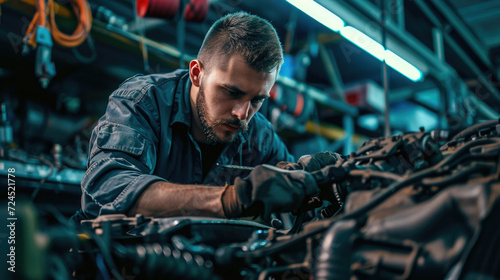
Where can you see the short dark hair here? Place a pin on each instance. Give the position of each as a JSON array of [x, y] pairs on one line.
[[248, 35]]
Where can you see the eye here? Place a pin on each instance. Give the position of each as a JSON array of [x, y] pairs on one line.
[[231, 93], [257, 101]]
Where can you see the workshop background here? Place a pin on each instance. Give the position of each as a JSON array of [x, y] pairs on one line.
[[435, 63]]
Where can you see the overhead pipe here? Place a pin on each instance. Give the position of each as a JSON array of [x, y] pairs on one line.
[[385, 76]]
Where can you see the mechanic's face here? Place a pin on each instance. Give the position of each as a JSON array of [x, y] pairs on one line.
[[229, 94]]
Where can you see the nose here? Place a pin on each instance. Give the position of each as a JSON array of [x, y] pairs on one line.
[[240, 110]]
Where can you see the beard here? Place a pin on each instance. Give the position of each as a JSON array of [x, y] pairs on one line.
[[209, 128]]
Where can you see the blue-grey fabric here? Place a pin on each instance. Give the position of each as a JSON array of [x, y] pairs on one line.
[[144, 137]]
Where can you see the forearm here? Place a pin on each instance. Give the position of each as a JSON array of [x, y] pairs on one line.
[[164, 199]]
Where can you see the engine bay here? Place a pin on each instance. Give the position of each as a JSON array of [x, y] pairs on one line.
[[419, 205]]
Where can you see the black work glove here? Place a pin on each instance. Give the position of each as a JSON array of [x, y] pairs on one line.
[[311, 162], [267, 189]]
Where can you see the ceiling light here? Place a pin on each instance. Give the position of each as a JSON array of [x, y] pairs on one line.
[[402, 66], [363, 41], [319, 13], [335, 23]]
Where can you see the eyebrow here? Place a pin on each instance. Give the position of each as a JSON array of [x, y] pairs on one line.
[[241, 92]]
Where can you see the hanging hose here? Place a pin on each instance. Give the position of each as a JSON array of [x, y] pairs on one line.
[[82, 12], [38, 19]]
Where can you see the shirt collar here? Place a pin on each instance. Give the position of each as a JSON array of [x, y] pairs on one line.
[[181, 112]]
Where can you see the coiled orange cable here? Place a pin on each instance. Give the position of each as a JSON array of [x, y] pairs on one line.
[[83, 13]]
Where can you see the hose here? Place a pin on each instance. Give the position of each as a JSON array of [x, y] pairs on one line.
[[334, 260], [82, 12], [475, 128]]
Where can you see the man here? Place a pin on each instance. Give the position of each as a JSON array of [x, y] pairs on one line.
[[159, 148]]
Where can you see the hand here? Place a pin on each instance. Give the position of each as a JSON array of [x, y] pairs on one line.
[[311, 162], [267, 189]]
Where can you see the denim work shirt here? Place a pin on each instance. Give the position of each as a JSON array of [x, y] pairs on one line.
[[144, 137]]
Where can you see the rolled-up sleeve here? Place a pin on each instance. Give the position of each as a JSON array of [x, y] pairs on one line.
[[122, 153]]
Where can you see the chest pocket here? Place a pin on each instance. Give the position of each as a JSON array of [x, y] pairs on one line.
[[121, 138]]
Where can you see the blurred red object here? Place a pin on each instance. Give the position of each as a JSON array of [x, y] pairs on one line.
[[196, 10], [157, 8]]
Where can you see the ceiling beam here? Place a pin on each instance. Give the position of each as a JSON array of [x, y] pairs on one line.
[[454, 20]]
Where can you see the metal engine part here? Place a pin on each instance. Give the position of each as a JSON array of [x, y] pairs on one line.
[[409, 206]]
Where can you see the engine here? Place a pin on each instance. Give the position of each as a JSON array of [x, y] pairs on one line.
[[409, 206]]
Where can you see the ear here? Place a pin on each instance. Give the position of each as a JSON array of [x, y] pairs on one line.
[[195, 70]]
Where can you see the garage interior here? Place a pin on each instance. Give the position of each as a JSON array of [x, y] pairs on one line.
[[353, 71]]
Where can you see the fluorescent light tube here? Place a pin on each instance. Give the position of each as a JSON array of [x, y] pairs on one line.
[[319, 13], [363, 41], [335, 23], [402, 66]]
